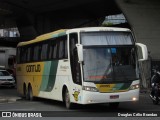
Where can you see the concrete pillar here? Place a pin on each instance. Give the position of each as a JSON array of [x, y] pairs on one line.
[[144, 19]]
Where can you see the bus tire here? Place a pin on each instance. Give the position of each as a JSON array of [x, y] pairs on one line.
[[30, 93], [24, 91], [67, 101], [114, 105]]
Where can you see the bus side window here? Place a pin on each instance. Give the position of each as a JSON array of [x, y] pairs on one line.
[[28, 52], [63, 48], [51, 47], [36, 53], [52, 53], [44, 51], [55, 51], [75, 66], [57, 48]]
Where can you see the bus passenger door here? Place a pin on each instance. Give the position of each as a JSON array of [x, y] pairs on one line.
[[75, 68]]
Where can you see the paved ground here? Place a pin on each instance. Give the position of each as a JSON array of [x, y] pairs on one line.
[[8, 94]]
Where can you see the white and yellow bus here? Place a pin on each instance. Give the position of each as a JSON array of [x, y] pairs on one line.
[[83, 66]]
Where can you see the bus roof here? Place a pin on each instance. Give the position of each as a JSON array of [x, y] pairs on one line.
[[44, 37], [92, 29], [67, 31]]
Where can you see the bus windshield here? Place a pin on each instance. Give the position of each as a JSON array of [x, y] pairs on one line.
[[105, 63], [102, 64], [106, 38]]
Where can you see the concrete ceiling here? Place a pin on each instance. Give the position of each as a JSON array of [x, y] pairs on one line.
[[56, 9]]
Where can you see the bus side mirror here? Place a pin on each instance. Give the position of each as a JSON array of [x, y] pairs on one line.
[[143, 52], [80, 52]]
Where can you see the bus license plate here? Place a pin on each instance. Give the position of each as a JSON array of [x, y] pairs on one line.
[[114, 96]]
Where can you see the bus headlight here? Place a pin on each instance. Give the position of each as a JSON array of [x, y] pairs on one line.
[[134, 87], [134, 98], [88, 88]]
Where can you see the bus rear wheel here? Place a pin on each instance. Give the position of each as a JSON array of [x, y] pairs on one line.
[[24, 92], [30, 93], [67, 101]]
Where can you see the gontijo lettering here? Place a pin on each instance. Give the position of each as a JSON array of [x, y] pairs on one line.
[[33, 68]]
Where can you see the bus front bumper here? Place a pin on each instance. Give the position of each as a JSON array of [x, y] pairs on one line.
[[96, 97]]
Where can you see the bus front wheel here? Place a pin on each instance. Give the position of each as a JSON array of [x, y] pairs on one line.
[[68, 103]]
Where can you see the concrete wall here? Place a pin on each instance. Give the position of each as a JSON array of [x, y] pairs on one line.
[[144, 18], [5, 52]]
